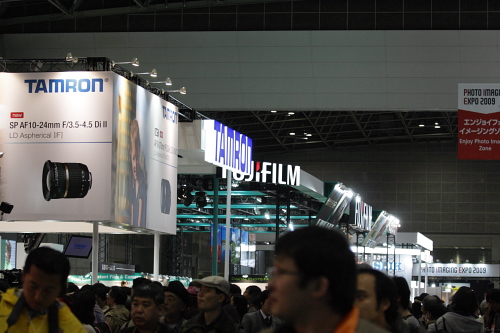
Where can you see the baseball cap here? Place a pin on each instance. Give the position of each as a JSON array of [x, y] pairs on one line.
[[178, 291], [216, 282]]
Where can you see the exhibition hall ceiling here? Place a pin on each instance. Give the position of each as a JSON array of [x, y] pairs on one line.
[[292, 131], [29, 11]]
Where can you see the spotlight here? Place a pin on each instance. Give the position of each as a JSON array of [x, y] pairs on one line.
[[5, 208], [188, 199], [201, 199], [266, 214]]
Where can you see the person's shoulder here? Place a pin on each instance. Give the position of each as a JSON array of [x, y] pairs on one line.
[[365, 326]]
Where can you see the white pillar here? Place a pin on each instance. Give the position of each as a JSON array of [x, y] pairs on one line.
[[426, 277], [95, 251], [156, 256], [419, 272], [228, 224]]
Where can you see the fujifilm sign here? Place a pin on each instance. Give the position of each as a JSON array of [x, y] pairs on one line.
[[267, 172]]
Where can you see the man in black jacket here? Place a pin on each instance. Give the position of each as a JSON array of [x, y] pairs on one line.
[[212, 318]]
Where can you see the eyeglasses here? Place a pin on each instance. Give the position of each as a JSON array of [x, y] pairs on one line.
[[274, 272]]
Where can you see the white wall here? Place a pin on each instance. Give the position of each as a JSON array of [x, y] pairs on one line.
[[292, 70]]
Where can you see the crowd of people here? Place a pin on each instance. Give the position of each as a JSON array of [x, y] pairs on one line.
[[315, 287]]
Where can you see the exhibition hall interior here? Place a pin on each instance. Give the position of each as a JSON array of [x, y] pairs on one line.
[[366, 116]]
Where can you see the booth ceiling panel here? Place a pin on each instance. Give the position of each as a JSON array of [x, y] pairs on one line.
[[288, 131]]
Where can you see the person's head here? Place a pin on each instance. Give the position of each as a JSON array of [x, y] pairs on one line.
[[403, 291], [71, 288], [234, 289], [265, 305], [176, 300], [493, 299], [100, 296], [250, 291], [44, 277], [254, 301], [313, 267], [138, 281], [124, 283], [213, 293], [464, 302], [146, 306], [116, 296], [239, 302], [376, 297], [135, 149], [83, 306], [433, 307]]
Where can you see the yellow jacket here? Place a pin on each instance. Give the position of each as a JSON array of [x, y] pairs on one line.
[[40, 324]]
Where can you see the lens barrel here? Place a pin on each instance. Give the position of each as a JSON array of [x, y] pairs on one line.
[[65, 180]]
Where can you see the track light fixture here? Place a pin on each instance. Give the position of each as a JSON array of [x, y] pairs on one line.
[[153, 73], [167, 81], [70, 58], [134, 62], [182, 91]]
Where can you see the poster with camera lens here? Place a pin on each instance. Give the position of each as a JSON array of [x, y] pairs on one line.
[[55, 132], [144, 158], [87, 146]]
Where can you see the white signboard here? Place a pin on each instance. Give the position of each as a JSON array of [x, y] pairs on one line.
[[87, 146], [55, 132], [459, 270]]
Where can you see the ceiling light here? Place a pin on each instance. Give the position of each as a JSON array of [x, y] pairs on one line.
[[437, 126], [266, 214], [273, 111], [153, 73], [69, 57], [291, 226], [183, 91], [421, 125], [292, 133], [134, 62], [167, 81], [290, 113], [309, 134]]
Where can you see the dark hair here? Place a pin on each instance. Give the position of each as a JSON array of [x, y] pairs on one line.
[[234, 289], [179, 291], [138, 281], [403, 291], [385, 289], [150, 290], [464, 302], [254, 301], [98, 285], [176, 283], [493, 295], [434, 305], [263, 296], [49, 261], [240, 303], [324, 252], [71, 288], [252, 290], [101, 293], [118, 294], [83, 306]]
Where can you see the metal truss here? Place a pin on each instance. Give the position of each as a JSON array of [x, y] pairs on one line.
[[129, 249], [391, 255], [103, 248]]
